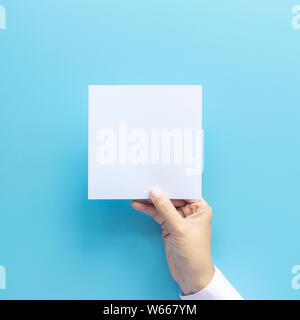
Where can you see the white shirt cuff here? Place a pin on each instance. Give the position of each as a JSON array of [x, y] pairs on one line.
[[219, 288]]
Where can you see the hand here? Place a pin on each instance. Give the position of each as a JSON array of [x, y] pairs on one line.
[[186, 232]]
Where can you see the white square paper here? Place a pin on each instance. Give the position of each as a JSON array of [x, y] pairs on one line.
[[145, 136]]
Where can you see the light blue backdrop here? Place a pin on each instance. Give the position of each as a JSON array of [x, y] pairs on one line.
[[54, 243]]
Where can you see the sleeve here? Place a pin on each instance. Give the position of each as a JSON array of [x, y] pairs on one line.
[[219, 288]]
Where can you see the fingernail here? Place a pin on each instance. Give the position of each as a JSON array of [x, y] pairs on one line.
[[155, 193]]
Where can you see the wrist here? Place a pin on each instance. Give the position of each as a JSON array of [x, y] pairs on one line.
[[199, 282]]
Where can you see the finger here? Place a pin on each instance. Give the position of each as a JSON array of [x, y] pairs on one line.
[[178, 203], [196, 200], [148, 209], [165, 207], [187, 210], [146, 201], [198, 203], [199, 207]]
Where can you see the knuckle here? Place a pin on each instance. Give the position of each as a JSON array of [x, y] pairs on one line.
[[207, 209], [209, 213]]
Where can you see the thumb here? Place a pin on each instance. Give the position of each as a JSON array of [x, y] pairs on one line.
[[166, 208]]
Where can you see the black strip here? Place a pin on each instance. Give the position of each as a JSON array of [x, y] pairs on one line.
[[131, 309]]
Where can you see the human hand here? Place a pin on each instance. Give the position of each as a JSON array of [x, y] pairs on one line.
[[186, 232]]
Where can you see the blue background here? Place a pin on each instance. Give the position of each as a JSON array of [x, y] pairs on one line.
[[54, 243]]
